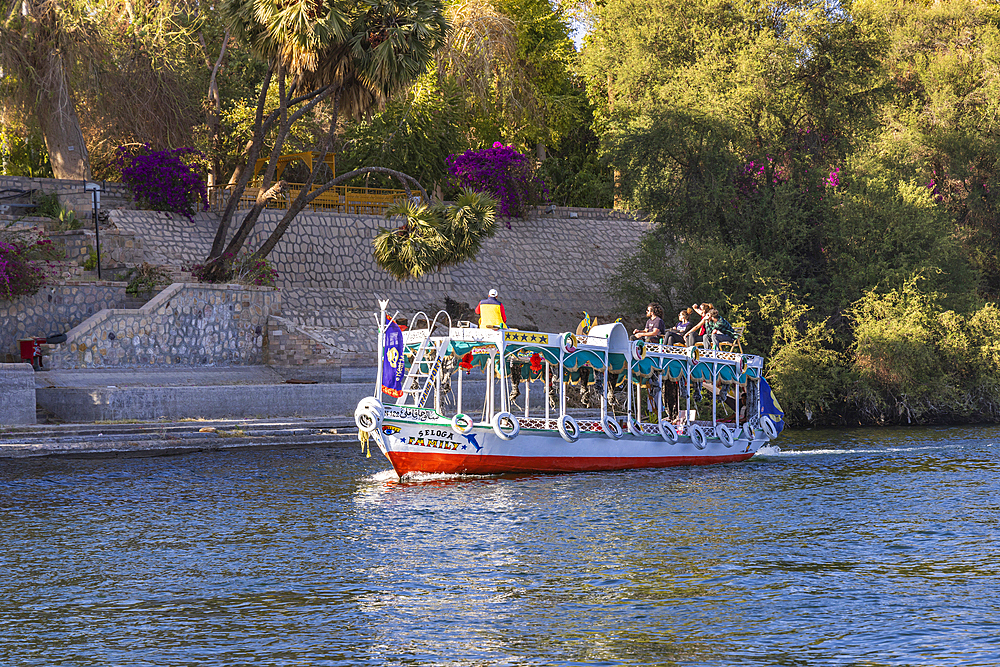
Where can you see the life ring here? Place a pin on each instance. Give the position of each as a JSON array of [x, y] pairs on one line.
[[698, 436], [568, 428], [611, 427], [638, 350], [725, 434], [742, 366], [694, 354], [769, 427], [668, 431], [369, 414], [462, 423], [633, 428], [569, 342], [499, 430]]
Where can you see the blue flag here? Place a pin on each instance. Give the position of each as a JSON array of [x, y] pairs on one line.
[[769, 405], [393, 365]]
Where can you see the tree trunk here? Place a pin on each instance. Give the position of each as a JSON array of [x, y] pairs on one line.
[[61, 129]]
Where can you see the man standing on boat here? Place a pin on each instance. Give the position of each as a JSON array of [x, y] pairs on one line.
[[490, 311]]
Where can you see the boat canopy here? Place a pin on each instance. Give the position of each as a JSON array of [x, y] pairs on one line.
[[605, 345]]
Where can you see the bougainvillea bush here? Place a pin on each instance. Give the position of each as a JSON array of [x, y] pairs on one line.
[[164, 180], [502, 172], [24, 260]]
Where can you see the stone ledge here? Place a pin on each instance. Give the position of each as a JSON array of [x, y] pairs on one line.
[[17, 383]]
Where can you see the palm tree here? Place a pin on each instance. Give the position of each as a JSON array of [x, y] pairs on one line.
[[434, 237], [353, 53]]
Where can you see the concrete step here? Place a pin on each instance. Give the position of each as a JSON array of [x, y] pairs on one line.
[[157, 439]]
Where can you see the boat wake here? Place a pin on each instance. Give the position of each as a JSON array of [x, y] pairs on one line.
[[772, 450]]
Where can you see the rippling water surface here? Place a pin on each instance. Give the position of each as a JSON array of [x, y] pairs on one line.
[[868, 547]]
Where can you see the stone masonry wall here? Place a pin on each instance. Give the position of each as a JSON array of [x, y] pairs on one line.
[[73, 194], [119, 249], [185, 324], [549, 269], [53, 310], [296, 347]]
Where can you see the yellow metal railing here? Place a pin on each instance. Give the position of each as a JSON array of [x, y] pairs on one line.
[[338, 199]]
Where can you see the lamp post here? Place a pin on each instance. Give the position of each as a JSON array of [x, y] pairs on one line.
[[95, 190]]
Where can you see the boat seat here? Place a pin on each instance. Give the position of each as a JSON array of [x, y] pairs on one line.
[[737, 343]]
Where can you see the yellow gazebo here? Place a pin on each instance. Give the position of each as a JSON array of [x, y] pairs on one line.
[[308, 157], [342, 199]]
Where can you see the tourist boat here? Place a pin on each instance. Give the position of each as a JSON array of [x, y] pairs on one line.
[[422, 371]]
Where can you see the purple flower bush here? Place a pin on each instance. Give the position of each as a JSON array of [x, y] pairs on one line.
[[21, 264], [164, 180], [502, 172]]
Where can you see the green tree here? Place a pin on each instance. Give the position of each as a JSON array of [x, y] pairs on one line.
[[357, 55]]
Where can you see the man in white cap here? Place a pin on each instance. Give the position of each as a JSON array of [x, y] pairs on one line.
[[490, 311]]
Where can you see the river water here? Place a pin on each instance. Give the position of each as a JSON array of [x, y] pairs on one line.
[[864, 547]]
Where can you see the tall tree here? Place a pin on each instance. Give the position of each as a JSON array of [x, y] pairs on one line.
[[38, 40], [352, 54]]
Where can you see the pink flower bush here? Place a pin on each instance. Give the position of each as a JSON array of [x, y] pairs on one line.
[[502, 172]]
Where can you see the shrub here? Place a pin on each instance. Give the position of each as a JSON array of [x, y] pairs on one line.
[[145, 278], [163, 180], [22, 256], [503, 173], [246, 269]]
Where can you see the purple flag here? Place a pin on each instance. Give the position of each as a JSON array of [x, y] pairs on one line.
[[393, 366]]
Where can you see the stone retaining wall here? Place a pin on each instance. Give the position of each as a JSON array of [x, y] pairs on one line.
[[17, 384], [72, 194], [306, 353], [119, 249], [53, 310], [185, 324], [548, 269]]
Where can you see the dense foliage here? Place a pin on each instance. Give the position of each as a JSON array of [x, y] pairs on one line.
[[502, 172], [828, 175], [245, 269], [23, 262], [163, 180], [434, 237]]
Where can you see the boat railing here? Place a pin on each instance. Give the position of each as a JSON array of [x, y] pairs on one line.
[[416, 318], [434, 324]]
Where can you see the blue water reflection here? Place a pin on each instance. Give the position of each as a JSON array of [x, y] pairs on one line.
[[865, 547]]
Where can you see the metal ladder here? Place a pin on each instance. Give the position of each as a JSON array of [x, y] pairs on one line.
[[419, 384]]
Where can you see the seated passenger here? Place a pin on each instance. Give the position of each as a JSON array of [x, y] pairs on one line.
[[695, 334], [653, 333], [675, 335], [718, 330]]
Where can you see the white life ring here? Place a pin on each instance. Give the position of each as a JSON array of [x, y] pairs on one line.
[[369, 414], [569, 429], [462, 423], [668, 431], [725, 434], [638, 350], [569, 342], [499, 430], [633, 427], [698, 436], [611, 427], [770, 428], [748, 431]]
